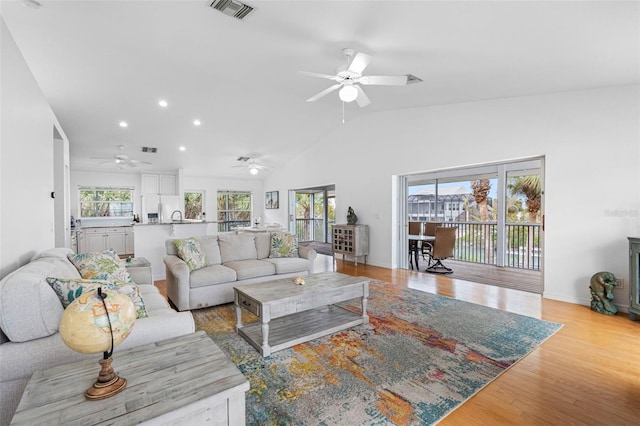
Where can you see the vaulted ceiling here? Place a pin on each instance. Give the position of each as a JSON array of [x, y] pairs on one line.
[[102, 62]]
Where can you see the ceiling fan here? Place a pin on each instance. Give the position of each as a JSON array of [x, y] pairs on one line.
[[251, 163], [349, 78], [121, 160]]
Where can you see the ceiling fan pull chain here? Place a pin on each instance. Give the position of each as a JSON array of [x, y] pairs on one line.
[[342, 112]]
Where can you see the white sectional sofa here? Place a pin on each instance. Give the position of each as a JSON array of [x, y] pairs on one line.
[[233, 259], [30, 312]]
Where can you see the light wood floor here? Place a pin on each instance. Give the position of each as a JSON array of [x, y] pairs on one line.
[[586, 374]]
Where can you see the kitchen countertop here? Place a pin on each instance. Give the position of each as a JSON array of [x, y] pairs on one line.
[[186, 222]]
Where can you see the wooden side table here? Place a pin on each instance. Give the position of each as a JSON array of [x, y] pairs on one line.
[[184, 380]]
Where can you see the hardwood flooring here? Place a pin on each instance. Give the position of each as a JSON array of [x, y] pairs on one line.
[[586, 374]]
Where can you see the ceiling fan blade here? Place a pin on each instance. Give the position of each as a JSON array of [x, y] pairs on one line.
[[359, 63], [362, 98], [324, 92], [136, 162], [384, 80], [314, 74]]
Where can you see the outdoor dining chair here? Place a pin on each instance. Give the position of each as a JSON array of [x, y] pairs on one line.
[[442, 249]]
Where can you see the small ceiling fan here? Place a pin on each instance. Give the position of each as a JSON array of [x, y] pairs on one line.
[[121, 160], [251, 163], [349, 78]]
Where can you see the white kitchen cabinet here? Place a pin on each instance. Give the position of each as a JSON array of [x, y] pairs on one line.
[[150, 184], [99, 239], [158, 184], [129, 241], [168, 185]]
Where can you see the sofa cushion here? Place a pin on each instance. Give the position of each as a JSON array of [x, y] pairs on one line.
[[69, 290], [246, 269], [209, 243], [287, 265], [237, 247], [283, 244], [102, 265], [29, 308], [190, 251], [213, 274], [263, 244]]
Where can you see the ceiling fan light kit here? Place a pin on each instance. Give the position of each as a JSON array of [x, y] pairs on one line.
[[348, 93], [251, 163], [349, 78]]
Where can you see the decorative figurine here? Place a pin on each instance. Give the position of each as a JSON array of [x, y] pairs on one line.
[[351, 217], [601, 286]]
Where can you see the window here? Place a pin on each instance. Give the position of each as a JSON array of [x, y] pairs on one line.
[[106, 202], [234, 209], [193, 205]]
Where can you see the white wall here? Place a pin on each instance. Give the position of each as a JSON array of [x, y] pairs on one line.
[[590, 140], [26, 160]]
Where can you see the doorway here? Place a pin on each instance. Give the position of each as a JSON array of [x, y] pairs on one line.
[[497, 210], [314, 212]]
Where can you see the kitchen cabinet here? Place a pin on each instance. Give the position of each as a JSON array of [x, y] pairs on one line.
[[158, 184], [129, 241], [100, 239]]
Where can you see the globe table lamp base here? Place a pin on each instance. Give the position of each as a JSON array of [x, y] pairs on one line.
[[108, 383]]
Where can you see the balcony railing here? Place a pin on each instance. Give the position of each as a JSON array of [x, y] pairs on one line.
[[476, 242], [312, 230]]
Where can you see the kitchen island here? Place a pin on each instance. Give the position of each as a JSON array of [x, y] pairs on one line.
[[149, 240]]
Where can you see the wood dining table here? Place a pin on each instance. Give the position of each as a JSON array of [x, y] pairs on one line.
[[414, 239]]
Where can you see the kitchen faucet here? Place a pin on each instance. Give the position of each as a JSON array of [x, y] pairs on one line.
[[174, 212]]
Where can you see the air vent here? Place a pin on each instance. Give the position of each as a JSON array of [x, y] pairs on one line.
[[149, 149], [412, 79], [244, 159], [232, 8]]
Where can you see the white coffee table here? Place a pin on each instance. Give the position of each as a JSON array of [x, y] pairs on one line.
[[291, 314]]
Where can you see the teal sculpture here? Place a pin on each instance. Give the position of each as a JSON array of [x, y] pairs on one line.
[[601, 286]]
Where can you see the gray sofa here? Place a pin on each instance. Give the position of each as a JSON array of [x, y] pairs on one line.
[[234, 259], [30, 312]]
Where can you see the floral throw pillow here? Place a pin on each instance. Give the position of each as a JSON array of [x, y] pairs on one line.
[[103, 265], [69, 290], [283, 245], [190, 251]]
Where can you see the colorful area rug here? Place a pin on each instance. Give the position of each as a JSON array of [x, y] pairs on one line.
[[421, 356]]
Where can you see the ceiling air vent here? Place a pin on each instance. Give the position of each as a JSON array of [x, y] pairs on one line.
[[149, 149], [232, 8], [242, 159]]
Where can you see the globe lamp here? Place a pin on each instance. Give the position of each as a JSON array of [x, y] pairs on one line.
[[95, 322], [348, 93]]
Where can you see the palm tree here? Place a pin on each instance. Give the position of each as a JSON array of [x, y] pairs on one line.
[[531, 188], [481, 190]]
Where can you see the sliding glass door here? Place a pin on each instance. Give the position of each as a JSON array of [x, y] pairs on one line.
[[497, 209]]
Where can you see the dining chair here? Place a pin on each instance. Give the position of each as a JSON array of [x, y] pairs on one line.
[[442, 249], [415, 228], [429, 228]]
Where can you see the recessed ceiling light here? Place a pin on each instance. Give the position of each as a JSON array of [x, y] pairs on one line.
[[196, 122], [163, 103], [123, 124], [182, 148]]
